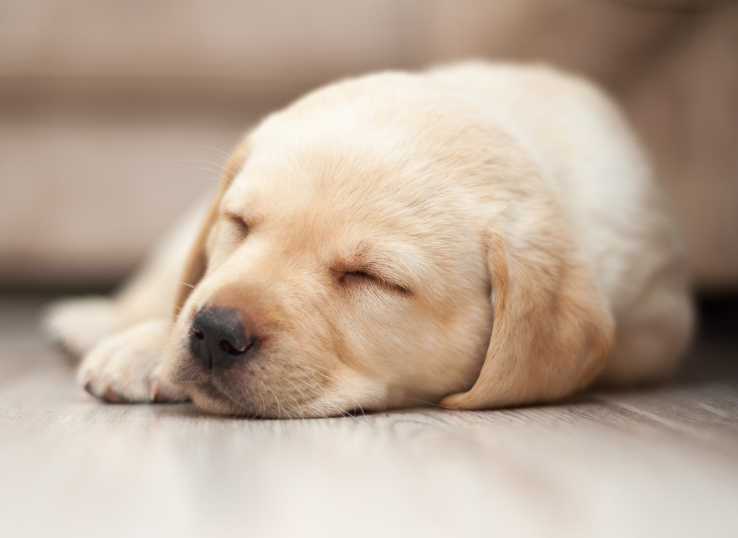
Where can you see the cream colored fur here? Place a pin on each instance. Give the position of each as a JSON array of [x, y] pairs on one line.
[[479, 235]]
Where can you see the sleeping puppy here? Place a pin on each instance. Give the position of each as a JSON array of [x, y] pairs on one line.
[[474, 236]]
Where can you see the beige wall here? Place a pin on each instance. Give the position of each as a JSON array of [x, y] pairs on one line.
[[106, 106]]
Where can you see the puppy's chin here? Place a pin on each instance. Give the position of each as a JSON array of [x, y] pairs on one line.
[[212, 400], [214, 394], [237, 392], [181, 370], [208, 399]]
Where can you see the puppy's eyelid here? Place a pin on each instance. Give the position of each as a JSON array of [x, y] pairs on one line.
[[357, 274], [240, 224], [365, 275]]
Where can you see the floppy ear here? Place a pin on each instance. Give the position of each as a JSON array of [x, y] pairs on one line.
[[552, 327], [197, 261]]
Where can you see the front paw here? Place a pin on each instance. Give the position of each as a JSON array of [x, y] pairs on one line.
[[79, 324], [127, 366]]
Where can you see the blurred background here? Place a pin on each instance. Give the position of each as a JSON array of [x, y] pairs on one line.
[[115, 116]]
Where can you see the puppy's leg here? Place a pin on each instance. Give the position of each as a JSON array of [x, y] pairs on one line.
[[79, 324], [124, 339], [651, 335], [127, 366]]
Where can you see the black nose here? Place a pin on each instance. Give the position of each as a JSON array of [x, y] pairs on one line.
[[218, 339]]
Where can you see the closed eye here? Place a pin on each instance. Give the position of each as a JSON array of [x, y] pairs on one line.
[[239, 225], [364, 278], [349, 276]]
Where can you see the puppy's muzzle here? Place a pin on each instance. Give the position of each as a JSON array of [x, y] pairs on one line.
[[218, 339]]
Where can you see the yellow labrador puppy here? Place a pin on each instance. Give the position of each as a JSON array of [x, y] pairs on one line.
[[479, 235]]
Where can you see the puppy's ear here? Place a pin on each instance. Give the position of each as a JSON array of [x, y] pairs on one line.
[[197, 261], [552, 327]]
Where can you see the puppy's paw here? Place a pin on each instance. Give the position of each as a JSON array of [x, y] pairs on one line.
[[79, 324], [128, 366]]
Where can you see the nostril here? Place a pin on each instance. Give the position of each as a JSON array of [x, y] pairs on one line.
[[226, 346], [234, 351]]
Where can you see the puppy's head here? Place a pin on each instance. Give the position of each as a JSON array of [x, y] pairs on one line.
[[349, 258]]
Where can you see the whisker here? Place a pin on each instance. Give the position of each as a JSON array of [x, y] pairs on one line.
[[327, 401], [222, 167], [351, 394], [432, 404], [276, 399], [302, 413], [219, 173], [342, 389], [263, 407], [223, 153]]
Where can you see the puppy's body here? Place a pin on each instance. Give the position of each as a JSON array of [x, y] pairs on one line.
[[479, 234], [602, 179]]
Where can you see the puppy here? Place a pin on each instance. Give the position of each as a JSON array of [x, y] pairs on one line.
[[478, 236]]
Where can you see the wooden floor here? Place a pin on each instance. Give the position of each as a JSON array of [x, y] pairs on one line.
[[659, 462]]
